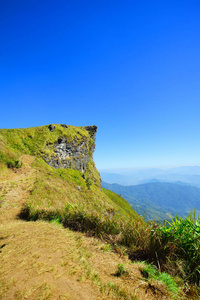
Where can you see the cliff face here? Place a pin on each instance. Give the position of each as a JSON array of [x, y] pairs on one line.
[[68, 153]]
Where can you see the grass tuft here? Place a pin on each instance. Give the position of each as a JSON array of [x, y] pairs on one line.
[[121, 270]]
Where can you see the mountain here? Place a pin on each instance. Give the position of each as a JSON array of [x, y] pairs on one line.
[[159, 199], [187, 170], [186, 174]]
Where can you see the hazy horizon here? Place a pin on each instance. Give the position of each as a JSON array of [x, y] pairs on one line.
[[146, 168]]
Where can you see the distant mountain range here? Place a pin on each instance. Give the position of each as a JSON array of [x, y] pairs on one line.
[[159, 199], [188, 174]]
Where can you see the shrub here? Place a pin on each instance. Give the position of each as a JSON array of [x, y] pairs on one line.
[[182, 241], [10, 161]]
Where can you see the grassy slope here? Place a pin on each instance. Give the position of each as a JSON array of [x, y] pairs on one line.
[[55, 188], [42, 260], [53, 194], [33, 140], [121, 202]]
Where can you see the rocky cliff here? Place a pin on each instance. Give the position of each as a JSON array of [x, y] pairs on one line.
[[72, 153]]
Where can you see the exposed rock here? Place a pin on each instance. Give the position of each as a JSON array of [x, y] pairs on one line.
[[74, 153], [52, 127], [92, 130], [64, 126]]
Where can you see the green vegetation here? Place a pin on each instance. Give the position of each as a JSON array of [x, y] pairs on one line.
[[173, 248], [121, 270], [55, 194], [34, 141], [106, 247], [151, 273], [11, 161], [88, 183], [181, 241], [121, 202]]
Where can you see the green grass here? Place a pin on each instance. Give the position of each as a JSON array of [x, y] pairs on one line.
[[181, 239], [151, 273], [121, 202], [174, 248], [36, 141], [121, 270], [55, 196]]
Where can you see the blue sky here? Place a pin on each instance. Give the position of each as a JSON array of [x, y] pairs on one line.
[[130, 67]]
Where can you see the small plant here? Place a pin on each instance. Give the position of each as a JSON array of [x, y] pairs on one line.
[[12, 164], [106, 247], [121, 270], [88, 183], [150, 272], [56, 221]]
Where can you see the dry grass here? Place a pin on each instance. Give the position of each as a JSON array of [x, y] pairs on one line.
[[44, 261]]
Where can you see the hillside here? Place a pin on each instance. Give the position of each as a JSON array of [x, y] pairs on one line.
[[79, 238], [159, 199], [64, 168], [41, 260]]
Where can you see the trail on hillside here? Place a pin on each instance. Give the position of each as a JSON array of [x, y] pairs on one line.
[[15, 188], [27, 259], [40, 260]]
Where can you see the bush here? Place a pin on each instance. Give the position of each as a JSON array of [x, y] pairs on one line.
[[182, 241], [12, 164], [10, 161]]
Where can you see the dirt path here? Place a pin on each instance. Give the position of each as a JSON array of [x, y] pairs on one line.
[[15, 189], [40, 260]]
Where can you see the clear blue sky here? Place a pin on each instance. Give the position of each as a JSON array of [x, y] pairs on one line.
[[130, 67]]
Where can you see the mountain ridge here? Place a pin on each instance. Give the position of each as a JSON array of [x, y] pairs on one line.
[[186, 174], [167, 199]]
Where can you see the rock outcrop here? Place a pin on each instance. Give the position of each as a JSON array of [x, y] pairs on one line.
[[72, 153]]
